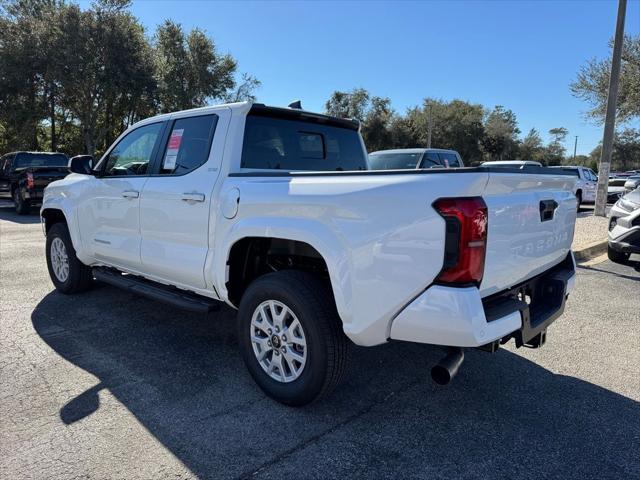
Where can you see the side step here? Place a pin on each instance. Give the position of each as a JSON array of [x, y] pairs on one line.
[[171, 295]]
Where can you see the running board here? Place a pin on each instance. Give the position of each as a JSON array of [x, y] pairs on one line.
[[171, 295]]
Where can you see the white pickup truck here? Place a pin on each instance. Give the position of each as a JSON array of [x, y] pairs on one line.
[[275, 212]]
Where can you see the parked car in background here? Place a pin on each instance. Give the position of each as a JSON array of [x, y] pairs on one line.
[[624, 227], [615, 189], [632, 183], [24, 176], [414, 158], [587, 183], [275, 212], [511, 163]]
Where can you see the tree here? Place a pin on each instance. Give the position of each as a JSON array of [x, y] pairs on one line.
[[626, 150], [456, 125], [554, 153], [531, 147], [109, 81], [375, 114], [352, 104], [592, 83], [559, 134], [73, 79], [189, 69], [500, 134], [245, 90]]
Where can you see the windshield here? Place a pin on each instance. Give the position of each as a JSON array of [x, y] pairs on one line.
[[394, 161], [41, 160]]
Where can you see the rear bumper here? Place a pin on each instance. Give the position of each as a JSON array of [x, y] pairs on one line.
[[460, 317]]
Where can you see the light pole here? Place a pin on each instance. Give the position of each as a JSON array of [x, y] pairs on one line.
[[429, 126], [610, 118], [575, 147]]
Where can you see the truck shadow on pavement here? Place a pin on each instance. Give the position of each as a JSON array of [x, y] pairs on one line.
[[8, 213], [181, 376]]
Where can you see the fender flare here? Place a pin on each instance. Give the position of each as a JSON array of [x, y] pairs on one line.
[[61, 204], [312, 232]]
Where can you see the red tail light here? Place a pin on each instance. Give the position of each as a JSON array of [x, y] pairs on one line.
[[30, 183], [465, 240]]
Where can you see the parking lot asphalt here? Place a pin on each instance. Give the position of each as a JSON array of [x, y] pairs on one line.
[[110, 385]]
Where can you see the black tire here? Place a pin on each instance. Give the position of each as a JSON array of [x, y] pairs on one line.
[[79, 278], [617, 257], [579, 199], [310, 299], [22, 206]]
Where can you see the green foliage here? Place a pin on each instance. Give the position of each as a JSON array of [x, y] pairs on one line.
[[71, 80], [626, 151], [500, 139], [592, 83], [375, 114], [531, 147]]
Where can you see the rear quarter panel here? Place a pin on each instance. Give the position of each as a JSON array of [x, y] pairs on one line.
[[378, 234]]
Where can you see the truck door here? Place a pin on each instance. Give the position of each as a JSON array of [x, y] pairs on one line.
[[108, 209], [175, 203]]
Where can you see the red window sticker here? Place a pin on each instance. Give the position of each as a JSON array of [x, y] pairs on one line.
[[171, 155], [176, 139]]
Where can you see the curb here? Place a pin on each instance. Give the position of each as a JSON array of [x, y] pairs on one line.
[[590, 251]]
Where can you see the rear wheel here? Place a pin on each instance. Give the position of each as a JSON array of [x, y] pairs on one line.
[[578, 199], [68, 274], [617, 257], [291, 337], [22, 205]]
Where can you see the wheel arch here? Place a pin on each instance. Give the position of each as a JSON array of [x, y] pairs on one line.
[[314, 243]]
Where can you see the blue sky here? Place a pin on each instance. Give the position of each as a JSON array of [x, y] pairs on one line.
[[520, 54]]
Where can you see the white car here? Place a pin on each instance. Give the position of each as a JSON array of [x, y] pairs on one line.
[[632, 183], [624, 227], [412, 158], [587, 184], [272, 211]]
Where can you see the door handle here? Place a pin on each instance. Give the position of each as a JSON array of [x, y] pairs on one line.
[[130, 194], [193, 197]]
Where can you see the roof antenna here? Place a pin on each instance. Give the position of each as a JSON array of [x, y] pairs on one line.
[[297, 105]]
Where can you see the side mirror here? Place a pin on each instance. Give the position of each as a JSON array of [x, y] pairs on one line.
[[81, 164]]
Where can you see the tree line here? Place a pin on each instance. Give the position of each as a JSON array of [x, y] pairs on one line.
[[71, 80], [480, 134]]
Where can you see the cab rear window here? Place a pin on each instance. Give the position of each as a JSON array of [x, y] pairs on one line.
[[284, 144]]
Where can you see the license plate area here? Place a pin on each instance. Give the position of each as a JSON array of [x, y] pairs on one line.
[[539, 300]]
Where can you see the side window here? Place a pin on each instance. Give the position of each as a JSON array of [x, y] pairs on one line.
[[431, 160], [131, 156], [449, 160], [188, 144]]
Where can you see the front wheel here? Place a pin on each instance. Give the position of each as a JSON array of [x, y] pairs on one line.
[[617, 257], [68, 274], [291, 337], [22, 205]]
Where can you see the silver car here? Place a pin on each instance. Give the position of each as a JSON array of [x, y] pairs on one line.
[[632, 183], [624, 227]]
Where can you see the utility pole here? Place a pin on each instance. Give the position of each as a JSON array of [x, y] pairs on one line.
[[575, 147], [610, 118], [429, 127]]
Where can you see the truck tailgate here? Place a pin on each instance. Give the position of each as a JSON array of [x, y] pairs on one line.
[[43, 176], [531, 222]]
